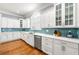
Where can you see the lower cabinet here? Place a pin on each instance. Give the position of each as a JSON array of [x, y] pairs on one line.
[[57, 47], [3, 37], [16, 35], [64, 48], [70, 51], [10, 36], [30, 39], [24, 36], [47, 45]]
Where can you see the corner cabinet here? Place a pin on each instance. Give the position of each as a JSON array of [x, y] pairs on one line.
[[65, 15]]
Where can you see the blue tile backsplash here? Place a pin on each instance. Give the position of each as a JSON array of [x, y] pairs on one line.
[[64, 31], [14, 29]]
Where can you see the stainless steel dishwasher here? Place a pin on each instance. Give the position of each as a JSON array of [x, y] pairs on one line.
[[38, 42]]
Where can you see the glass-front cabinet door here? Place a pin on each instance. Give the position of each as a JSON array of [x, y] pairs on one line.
[[58, 15], [69, 14], [65, 15]]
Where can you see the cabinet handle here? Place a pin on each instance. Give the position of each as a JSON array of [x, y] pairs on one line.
[[63, 48]]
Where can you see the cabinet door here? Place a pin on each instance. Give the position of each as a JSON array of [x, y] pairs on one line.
[[70, 48], [58, 15], [30, 39], [70, 15], [47, 45], [35, 22], [47, 49], [45, 18], [47, 41], [4, 22], [26, 23], [58, 48], [3, 37], [70, 51], [9, 36]]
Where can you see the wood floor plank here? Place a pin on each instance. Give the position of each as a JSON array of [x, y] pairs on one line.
[[18, 47]]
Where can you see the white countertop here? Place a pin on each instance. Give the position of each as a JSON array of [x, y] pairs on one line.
[[50, 36], [74, 40]]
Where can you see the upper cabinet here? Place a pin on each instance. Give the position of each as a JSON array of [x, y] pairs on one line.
[[26, 23], [13, 23], [7, 22], [70, 15], [65, 15], [35, 21], [47, 17], [4, 22], [58, 15]]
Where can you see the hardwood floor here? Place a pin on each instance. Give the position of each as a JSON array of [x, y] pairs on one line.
[[18, 47]]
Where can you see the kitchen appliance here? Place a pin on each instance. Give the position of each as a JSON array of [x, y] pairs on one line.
[[38, 42]]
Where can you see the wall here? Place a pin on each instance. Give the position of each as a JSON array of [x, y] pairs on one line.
[[64, 31]]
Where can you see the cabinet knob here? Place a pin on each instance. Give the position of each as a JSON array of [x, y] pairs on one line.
[[63, 48]]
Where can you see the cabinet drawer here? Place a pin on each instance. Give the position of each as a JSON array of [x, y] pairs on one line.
[[47, 45], [70, 44], [57, 41], [47, 39], [71, 51]]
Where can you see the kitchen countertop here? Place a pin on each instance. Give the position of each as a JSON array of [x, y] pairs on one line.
[[59, 38], [74, 40]]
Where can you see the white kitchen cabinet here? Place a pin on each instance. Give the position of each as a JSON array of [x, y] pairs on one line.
[[4, 22], [9, 36], [26, 23], [70, 48], [10, 22], [47, 45], [16, 35], [24, 36], [30, 39], [58, 47], [48, 18], [35, 22], [0, 21], [65, 48], [70, 51], [3, 37], [16, 23], [65, 15]]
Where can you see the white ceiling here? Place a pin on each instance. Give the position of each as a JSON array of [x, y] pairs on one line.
[[21, 9]]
